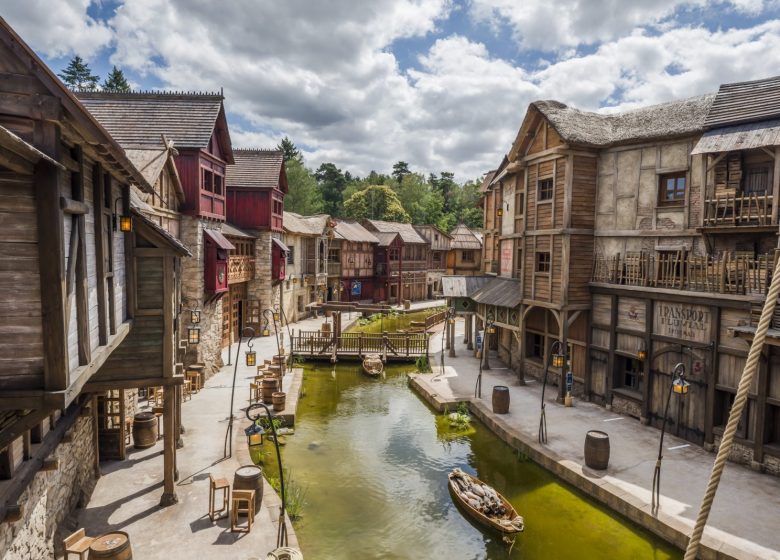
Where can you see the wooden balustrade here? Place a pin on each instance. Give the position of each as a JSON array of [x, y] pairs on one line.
[[435, 319], [738, 209], [729, 273], [240, 269], [399, 346]]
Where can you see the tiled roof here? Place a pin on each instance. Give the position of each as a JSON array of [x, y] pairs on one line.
[[464, 238], [463, 286], [353, 231], [141, 119], [169, 239], [305, 225], [407, 231], [743, 102], [385, 238], [256, 169]]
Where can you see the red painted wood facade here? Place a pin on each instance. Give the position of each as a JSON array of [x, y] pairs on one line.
[[256, 209], [202, 174]]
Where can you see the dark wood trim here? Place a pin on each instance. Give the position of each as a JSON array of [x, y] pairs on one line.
[[734, 301], [647, 370], [610, 380], [107, 385], [82, 280], [21, 425], [73, 207], [52, 262], [760, 404], [709, 400], [98, 194]]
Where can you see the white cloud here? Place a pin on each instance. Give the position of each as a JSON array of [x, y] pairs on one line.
[[63, 31]]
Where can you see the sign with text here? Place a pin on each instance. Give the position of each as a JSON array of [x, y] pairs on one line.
[[682, 320], [506, 257], [357, 288]]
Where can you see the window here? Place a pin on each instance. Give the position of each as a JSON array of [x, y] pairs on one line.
[[545, 189], [217, 184], [534, 346], [630, 372], [672, 189], [208, 180], [757, 179], [543, 262], [723, 403], [467, 256], [291, 255]]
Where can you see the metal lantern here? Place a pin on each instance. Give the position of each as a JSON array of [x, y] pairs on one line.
[[195, 316], [500, 212], [193, 335], [642, 355], [254, 435], [557, 360], [680, 386], [276, 315], [251, 358], [491, 329], [266, 332], [451, 320], [125, 224]]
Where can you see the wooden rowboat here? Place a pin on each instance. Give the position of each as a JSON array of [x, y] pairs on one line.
[[372, 365], [508, 523]]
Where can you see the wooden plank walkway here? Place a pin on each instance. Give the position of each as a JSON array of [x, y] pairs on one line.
[[391, 346]]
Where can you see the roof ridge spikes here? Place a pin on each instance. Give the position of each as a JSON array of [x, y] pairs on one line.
[[160, 92]]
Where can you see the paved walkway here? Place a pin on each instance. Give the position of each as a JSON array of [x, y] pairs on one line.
[[745, 519], [127, 496]]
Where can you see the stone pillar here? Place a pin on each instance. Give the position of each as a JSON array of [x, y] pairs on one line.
[[169, 447]]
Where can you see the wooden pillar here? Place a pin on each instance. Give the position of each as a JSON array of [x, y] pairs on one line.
[[563, 317], [169, 448], [446, 335], [178, 431], [468, 338], [95, 436], [646, 369], [476, 330], [711, 377], [611, 356], [451, 339]]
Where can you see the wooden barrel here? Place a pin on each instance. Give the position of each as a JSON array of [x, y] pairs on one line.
[[500, 399], [113, 546], [270, 385], [144, 430], [250, 477], [279, 399], [597, 450]]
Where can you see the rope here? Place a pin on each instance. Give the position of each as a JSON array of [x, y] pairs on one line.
[[736, 413]]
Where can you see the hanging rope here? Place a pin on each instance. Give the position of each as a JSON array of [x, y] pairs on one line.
[[751, 365]]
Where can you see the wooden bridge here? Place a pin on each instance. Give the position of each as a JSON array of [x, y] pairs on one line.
[[391, 346]]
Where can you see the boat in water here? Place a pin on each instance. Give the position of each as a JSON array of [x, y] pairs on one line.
[[372, 365], [484, 504]]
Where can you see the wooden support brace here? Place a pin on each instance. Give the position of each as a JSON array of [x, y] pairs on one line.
[[50, 464], [13, 513]]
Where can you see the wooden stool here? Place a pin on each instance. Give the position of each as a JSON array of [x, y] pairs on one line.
[[214, 485], [187, 394], [254, 391], [158, 412], [77, 543], [243, 503], [193, 377], [128, 429]]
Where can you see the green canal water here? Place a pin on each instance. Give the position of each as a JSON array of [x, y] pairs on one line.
[[374, 462], [393, 323]]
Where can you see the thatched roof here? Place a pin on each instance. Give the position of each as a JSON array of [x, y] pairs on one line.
[[677, 118], [305, 225]]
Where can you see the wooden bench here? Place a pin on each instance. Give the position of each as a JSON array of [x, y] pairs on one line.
[[77, 543]]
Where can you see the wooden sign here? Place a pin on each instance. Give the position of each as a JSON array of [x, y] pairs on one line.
[[506, 257], [683, 321]]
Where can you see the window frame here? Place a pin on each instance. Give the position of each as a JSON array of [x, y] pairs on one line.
[[467, 255], [541, 261], [662, 190], [541, 188], [625, 371]]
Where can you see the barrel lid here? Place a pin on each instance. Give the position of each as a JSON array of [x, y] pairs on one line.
[[248, 471], [598, 434], [144, 416], [500, 388], [109, 541]]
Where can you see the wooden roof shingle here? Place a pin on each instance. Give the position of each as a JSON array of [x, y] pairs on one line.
[[259, 169], [407, 232], [743, 102], [464, 238]]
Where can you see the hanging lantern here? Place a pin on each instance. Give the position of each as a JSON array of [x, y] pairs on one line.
[[125, 224], [266, 332], [254, 435], [251, 358], [276, 315], [642, 355], [500, 212], [193, 335], [195, 316], [680, 386], [557, 360], [491, 329]]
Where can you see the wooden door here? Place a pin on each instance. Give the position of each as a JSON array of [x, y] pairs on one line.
[[254, 315], [111, 425], [238, 297], [226, 312]]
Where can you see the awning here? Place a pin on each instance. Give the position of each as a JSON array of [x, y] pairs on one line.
[[233, 231], [740, 137], [220, 240], [499, 291], [281, 245], [462, 286], [156, 234]]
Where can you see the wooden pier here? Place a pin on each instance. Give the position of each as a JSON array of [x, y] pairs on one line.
[[391, 346]]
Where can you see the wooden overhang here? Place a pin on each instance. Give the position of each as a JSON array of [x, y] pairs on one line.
[[500, 292], [157, 235], [23, 156], [219, 239], [747, 333]]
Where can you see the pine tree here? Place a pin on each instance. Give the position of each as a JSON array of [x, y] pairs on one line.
[[115, 81], [78, 75], [291, 151]]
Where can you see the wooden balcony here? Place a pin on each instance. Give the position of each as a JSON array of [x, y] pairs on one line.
[[729, 273], [334, 269], [240, 269], [739, 210]]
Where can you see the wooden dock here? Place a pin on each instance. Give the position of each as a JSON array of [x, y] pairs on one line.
[[391, 346]]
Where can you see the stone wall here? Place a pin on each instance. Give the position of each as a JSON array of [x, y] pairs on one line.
[[621, 405], [51, 497], [209, 351]]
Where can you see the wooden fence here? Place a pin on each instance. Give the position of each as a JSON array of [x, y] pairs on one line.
[[734, 209], [395, 346]]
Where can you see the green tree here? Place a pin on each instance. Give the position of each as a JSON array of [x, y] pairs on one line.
[[291, 151], [115, 81], [332, 182], [78, 75], [303, 196], [423, 204], [376, 202], [400, 170]]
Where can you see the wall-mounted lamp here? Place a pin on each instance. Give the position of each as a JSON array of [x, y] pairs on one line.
[[195, 316], [193, 335], [642, 354], [123, 222]]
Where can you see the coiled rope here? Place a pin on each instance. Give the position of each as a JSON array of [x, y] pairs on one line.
[[751, 365]]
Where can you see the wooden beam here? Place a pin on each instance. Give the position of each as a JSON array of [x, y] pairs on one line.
[[776, 186], [21, 425], [36, 106], [50, 464], [82, 281], [73, 207], [52, 264], [135, 383], [15, 163], [98, 195]]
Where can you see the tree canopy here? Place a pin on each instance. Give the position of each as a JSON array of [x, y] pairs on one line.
[[331, 181], [376, 202], [78, 75], [115, 81], [291, 151], [303, 195]]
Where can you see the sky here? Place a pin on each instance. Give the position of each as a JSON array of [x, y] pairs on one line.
[[440, 84]]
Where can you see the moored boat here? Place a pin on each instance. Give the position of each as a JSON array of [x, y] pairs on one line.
[[483, 503], [372, 365]]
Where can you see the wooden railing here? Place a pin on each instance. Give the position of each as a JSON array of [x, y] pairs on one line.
[[729, 273], [738, 210], [240, 269], [435, 319], [402, 346]]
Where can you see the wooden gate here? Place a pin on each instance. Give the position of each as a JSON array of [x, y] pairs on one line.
[[111, 425], [238, 296]]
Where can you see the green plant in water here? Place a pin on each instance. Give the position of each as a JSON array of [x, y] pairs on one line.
[[422, 364], [294, 494], [463, 408]]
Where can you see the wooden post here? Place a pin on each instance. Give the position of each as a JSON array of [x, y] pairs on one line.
[[451, 339], [169, 448], [648, 341], [775, 186], [446, 335], [95, 436], [467, 331], [360, 344]]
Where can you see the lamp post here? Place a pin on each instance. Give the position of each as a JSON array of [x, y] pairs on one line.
[[680, 386], [450, 318], [281, 534], [251, 356], [489, 329], [274, 318], [555, 355]]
